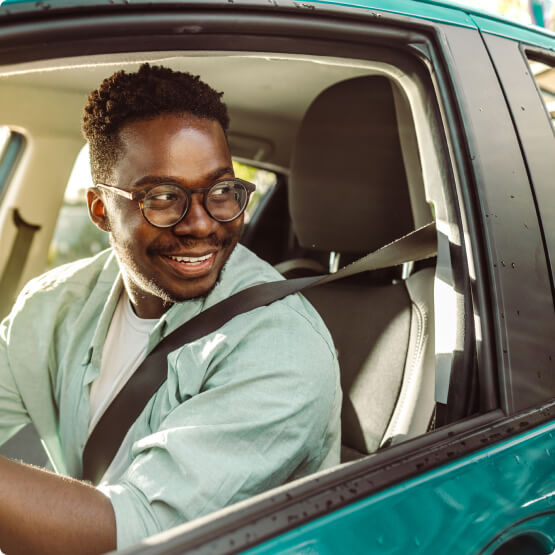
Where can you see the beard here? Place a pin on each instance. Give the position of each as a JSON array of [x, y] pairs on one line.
[[151, 284]]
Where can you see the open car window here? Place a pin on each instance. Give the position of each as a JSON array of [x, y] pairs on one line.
[[544, 75], [380, 168]]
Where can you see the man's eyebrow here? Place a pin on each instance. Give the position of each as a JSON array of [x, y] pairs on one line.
[[221, 172], [156, 179]]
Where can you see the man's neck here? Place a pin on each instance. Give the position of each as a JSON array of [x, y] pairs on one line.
[[145, 305]]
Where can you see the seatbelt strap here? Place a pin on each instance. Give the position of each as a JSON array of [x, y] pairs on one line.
[[108, 434]]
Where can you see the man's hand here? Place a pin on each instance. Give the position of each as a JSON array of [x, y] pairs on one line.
[[41, 512]]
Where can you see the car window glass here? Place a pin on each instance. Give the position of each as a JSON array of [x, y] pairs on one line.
[[76, 237], [264, 180], [4, 136], [544, 75], [359, 158], [11, 145]]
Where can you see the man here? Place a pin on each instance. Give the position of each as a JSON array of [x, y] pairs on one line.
[[244, 409]]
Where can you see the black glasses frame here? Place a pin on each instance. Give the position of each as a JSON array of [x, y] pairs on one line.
[[139, 196]]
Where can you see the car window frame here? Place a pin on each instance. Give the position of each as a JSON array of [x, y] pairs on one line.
[[533, 125], [536, 137], [508, 263]]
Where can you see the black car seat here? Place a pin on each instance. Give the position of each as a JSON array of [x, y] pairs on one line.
[[349, 195]]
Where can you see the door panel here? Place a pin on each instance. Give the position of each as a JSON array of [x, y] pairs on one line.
[[457, 509]]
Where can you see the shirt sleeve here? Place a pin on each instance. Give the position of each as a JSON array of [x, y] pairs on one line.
[[13, 415], [265, 412]]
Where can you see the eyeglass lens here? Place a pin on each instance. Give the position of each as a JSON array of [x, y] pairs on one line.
[[165, 204]]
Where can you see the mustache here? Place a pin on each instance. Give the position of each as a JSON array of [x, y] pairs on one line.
[[162, 246]]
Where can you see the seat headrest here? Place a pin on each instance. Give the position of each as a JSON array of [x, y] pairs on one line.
[[348, 187]]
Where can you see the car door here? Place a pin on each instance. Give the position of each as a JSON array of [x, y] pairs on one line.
[[483, 485], [498, 499]]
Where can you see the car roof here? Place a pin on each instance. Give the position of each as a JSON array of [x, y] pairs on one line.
[[445, 11], [424, 8]]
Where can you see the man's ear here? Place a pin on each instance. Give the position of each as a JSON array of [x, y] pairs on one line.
[[97, 210]]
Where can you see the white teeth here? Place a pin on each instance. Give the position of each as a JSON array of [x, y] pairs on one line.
[[191, 259]]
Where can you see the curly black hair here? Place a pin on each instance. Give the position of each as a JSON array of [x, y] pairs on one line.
[[146, 94]]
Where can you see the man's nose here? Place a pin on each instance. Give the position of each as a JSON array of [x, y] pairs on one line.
[[197, 222]]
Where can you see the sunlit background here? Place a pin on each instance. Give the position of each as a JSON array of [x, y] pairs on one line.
[[529, 12]]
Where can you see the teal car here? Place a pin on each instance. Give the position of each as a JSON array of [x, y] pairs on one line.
[[360, 121]]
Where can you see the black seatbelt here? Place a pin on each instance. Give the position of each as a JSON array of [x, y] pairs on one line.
[[108, 434]]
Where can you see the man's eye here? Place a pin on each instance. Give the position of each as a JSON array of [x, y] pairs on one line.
[[163, 197], [160, 199], [221, 191], [224, 193]]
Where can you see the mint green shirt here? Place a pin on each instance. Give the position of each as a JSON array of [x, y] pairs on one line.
[[244, 409]]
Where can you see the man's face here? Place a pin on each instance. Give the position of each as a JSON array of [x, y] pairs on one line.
[[191, 152]]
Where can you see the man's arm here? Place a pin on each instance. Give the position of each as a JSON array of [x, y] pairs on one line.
[[41, 512], [264, 402], [244, 410], [13, 415]]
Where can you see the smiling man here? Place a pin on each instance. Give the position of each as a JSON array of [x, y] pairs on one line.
[[243, 409], [178, 168]]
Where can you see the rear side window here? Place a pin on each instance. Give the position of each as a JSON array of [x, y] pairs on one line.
[[11, 147], [75, 235], [264, 180], [544, 75]]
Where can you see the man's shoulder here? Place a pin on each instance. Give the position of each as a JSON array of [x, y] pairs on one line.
[[293, 314], [245, 269], [76, 279]]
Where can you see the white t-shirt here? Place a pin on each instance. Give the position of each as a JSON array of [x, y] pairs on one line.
[[124, 350]]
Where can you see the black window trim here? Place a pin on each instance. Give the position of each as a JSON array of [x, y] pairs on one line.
[[536, 138], [498, 210]]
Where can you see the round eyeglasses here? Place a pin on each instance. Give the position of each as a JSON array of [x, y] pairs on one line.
[[166, 204]]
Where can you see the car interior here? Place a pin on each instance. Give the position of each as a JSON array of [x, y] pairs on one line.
[[359, 158]]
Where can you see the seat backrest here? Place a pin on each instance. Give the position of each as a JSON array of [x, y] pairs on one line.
[[348, 187], [349, 194]]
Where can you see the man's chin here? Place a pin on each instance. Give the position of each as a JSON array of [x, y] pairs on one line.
[[197, 288], [193, 292], [164, 289]]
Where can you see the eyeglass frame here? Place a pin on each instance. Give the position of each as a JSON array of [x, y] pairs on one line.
[[139, 196]]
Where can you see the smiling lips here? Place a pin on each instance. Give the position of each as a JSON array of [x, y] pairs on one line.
[[191, 266], [191, 259]]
